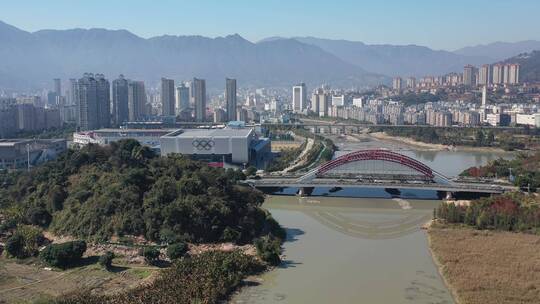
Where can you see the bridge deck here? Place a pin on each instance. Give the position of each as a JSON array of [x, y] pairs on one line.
[[322, 182]]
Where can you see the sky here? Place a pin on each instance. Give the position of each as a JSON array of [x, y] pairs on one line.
[[448, 24]]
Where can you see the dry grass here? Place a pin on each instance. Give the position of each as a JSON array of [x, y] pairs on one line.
[[488, 267], [21, 283]]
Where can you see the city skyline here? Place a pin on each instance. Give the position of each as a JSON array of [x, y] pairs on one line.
[[453, 30]]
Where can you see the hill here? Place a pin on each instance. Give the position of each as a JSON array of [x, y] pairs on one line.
[[33, 59], [96, 193], [530, 66], [500, 50], [394, 60]]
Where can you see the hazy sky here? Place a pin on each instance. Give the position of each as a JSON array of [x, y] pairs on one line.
[[448, 24]]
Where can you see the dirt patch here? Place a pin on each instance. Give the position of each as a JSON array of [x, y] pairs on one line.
[[28, 282], [484, 267]]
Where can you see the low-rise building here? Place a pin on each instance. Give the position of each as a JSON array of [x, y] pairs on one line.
[[147, 137], [20, 153], [532, 120], [239, 146]]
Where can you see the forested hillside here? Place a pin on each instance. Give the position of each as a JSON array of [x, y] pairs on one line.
[[124, 189]]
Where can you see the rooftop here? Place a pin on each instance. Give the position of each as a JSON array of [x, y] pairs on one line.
[[226, 132]]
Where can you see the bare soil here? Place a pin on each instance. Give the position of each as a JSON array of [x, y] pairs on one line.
[[486, 267]]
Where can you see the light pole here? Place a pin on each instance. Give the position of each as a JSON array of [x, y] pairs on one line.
[[28, 156]]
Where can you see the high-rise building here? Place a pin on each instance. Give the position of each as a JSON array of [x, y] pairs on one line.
[[411, 83], [498, 74], [324, 99], [396, 84], [513, 73], [230, 98], [57, 87], [167, 97], [120, 100], [299, 97], [72, 96], [484, 96], [506, 74], [484, 75], [93, 100], [198, 87], [468, 75], [182, 97], [136, 100], [104, 101], [315, 101]]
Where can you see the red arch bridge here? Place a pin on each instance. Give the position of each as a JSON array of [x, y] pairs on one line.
[[375, 169]]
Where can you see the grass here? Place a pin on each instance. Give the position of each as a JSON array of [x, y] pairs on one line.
[[488, 266]]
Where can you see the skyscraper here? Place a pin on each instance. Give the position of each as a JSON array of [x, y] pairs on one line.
[[484, 75], [397, 83], [104, 101], [93, 100], [198, 87], [498, 72], [468, 75], [167, 97], [136, 100], [513, 74], [230, 98], [411, 82], [57, 87], [120, 100], [299, 97], [182, 97]]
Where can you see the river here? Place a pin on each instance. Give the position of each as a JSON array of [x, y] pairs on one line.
[[359, 245]]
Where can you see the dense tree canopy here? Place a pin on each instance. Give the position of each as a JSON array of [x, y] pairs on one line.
[[124, 189]]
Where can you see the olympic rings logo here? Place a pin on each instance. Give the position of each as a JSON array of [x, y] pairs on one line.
[[203, 144]]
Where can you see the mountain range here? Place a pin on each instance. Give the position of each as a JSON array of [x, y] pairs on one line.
[[31, 60]]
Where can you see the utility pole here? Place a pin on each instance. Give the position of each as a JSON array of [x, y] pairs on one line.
[[28, 156]]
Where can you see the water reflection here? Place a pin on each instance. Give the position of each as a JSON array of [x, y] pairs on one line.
[[350, 250], [356, 220]]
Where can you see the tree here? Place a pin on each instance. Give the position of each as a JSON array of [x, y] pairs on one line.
[[479, 138], [268, 249], [63, 255], [251, 170], [151, 255], [177, 250], [490, 138], [106, 260], [482, 221], [15, 246], [39, 216]]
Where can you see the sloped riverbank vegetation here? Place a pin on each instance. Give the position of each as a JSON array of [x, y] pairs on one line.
[[124, 191]]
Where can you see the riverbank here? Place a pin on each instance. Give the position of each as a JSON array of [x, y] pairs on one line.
[[482, 267], [432, 147]]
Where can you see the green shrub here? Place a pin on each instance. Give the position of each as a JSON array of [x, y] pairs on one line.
[[251, 170], [150, 254], [269, 249], [24, 242], [177, 250], [106, 259], [38, 216], [15, 246], [205, 278], [63, 255], [8, 225]]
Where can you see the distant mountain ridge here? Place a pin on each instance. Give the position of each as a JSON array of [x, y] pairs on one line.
[[414, 60], [529, 70], [500, 50], [34, 59], [31, 60]]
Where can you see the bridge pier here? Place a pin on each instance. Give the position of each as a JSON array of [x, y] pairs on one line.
[[305, 191]]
